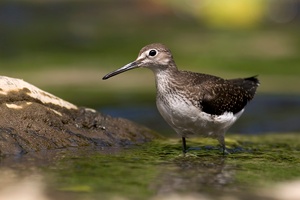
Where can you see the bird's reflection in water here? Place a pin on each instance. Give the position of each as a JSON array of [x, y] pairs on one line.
[[195, 174]]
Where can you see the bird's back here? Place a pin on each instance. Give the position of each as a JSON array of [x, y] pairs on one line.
[[215, 95]]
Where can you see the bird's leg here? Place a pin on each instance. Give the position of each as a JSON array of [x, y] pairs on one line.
[[221, 140], [224, 150], [183, 145]]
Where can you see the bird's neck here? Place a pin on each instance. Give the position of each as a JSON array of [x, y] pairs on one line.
[[165, 71], [165, 79]]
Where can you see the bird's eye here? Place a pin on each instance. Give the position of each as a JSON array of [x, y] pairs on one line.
[[152, 53]]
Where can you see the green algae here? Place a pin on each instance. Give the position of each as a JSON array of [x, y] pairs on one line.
[[127, 173], [159, 167], [272, 158]]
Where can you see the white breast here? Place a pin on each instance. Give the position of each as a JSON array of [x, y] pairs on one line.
[[186, 119]]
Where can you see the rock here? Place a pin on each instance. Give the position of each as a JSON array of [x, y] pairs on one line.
[[34, 120]]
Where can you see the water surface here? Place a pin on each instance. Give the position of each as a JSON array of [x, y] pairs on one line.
[[155, 170]]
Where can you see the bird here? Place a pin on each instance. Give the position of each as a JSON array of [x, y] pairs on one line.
[[193, 104]]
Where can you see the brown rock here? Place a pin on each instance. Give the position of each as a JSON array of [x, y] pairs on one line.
[[33, 120]]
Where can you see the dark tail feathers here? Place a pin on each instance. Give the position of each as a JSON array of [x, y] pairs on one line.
[[253, 79]]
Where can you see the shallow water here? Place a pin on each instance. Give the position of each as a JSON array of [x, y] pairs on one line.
[[264, 114], [156, 170]]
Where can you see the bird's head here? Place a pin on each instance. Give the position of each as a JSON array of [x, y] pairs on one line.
[[153, 56]]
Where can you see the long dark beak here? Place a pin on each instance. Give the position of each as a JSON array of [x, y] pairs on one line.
[[132, 65]]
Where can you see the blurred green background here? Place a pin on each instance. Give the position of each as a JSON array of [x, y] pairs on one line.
[[65, 47]]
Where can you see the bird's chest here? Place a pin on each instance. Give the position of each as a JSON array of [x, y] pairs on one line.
[[177, 110], [174, 105]]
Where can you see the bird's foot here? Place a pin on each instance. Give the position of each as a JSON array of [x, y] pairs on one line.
[[225, 151]]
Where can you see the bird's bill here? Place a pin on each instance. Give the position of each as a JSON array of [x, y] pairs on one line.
[[127, 67]]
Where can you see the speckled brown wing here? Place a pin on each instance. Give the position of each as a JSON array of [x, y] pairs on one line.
[[228, 95]]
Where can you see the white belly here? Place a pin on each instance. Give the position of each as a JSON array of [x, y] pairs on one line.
[[187, 119]]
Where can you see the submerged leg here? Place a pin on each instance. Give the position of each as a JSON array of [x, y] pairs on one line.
[[183, 145], [224, 151], [223, 146]]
